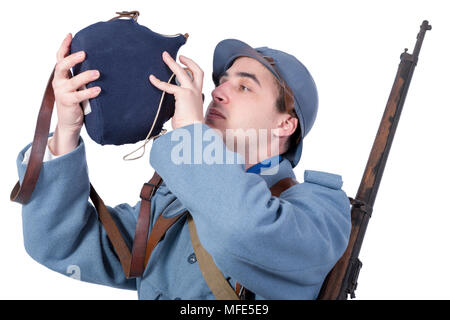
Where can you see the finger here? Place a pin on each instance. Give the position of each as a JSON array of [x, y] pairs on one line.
[[82, 79], [164, 86], [81, 95], [181, 75], [64, 48], [62, 68], [195, 68]]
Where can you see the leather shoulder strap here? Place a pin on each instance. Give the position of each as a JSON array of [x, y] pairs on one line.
[[22, 193], [158, 232], [278, 188], [214, 278], [142, 227], [133, 264], [114, 235]]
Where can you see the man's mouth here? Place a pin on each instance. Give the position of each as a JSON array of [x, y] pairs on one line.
[[214, 113]]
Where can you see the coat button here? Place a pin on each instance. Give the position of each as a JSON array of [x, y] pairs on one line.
[[192, 258]]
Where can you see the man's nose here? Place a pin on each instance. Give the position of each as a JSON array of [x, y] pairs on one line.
[[219, 95]]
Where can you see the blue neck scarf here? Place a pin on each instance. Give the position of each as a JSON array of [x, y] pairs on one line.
[[268, 163]]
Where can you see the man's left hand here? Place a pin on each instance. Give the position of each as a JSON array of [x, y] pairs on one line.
[[188, 96]]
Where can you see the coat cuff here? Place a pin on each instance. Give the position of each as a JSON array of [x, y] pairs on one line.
[[68, 169]]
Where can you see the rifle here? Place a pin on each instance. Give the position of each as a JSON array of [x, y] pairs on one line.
[[342, 279]]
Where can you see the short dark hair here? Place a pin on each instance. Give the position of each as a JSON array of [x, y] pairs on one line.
[[285, 104]]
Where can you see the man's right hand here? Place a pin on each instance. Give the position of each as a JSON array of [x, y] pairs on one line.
[[68, 97]]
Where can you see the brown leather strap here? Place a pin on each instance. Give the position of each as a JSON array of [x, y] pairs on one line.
[[132, 263], [21, 193], [128, 14], [112, 231], [142, 227], [238, 289], [282, 185], [159, 229]]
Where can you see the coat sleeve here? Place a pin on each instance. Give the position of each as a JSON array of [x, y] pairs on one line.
[[264, 242], [61, 229]]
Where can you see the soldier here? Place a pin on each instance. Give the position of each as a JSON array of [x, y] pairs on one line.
[[278, 247]]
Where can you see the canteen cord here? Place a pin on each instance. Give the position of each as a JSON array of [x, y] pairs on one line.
[[148, 138]]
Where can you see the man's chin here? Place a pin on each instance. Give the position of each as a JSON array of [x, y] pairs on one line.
[[213, 123], [219, 127]]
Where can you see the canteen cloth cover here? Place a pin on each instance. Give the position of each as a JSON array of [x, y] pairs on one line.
[[125, 53]]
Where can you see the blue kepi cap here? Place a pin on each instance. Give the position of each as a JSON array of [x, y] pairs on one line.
[[284, 67]]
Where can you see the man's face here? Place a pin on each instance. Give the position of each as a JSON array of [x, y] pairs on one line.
[[246, 97]]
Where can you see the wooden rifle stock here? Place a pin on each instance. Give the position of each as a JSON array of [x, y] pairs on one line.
[[342, 279]]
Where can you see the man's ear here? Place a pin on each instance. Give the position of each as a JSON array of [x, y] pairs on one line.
[[286, 126]]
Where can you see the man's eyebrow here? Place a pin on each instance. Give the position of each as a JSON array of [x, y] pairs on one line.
[[244, 75]]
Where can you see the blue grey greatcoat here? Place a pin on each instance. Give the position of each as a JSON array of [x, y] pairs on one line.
[[279, 248]]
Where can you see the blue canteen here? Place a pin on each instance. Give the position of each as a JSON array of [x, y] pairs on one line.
[[125, 53]]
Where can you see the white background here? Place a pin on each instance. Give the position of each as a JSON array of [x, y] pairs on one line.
[[352, 49]]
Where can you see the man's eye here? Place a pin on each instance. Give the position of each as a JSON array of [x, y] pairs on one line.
[[244, 88]]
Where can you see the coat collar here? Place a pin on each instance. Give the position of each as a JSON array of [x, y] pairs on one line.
[[273, 169]]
